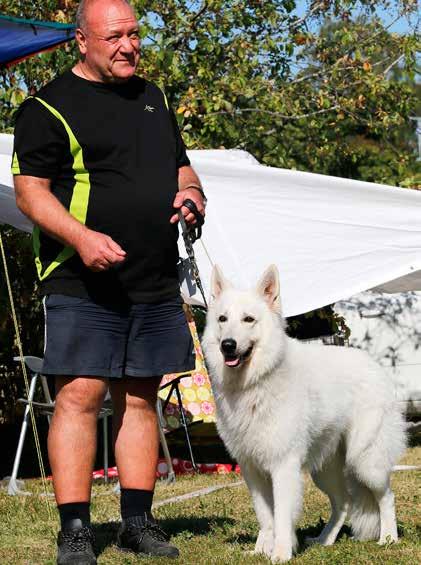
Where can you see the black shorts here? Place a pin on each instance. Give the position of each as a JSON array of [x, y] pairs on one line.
[[137, 340]]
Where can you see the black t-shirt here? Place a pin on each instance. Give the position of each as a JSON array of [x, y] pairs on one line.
[[112, 153]]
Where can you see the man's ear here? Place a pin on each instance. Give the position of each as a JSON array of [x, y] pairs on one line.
[[268, 287], [218, 282], [81, 41]]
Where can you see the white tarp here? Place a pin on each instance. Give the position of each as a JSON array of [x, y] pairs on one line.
[[330, 237]]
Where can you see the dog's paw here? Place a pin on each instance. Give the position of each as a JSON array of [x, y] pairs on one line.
[[388, 540], [264, 543], [254, 552], [281, 554], [258, 552]]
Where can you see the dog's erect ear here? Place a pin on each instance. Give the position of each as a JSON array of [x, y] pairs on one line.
[[218, 282], [268, 287]]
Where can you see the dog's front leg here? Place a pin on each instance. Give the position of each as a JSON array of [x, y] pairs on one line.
[[287, 494], [260, 487]]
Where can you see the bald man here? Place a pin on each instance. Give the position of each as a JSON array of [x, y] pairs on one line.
[[101, 169]]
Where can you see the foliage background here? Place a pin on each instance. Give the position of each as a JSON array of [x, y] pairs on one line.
[[321, 86]]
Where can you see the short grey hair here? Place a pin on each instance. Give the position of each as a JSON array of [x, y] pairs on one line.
[[82, 9]]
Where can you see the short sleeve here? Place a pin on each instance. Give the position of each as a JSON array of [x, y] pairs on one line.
[[181, 155], [39, 142]]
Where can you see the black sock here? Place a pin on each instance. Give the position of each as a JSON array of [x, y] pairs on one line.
[[135, 502], [74, 515]]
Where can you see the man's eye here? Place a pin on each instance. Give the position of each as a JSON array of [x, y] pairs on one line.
[[249, 319], [134, 35], [222, 319], [113, 39]]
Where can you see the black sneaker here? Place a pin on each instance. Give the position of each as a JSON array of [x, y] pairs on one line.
[[143, 536], [75, 547]]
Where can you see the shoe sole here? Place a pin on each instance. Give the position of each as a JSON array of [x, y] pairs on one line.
[[142, 553]]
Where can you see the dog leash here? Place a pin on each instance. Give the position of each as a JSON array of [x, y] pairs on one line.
[[191, 234]]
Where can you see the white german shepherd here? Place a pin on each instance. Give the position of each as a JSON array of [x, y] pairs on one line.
[[284, 406]]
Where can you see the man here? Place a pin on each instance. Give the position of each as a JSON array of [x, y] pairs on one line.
[[100, 168]]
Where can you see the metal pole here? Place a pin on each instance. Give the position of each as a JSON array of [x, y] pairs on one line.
[[185, 426], [105, 439], [13, 488]]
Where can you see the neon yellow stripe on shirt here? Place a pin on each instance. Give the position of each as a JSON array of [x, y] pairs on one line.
[[80, 197], [15, 164]]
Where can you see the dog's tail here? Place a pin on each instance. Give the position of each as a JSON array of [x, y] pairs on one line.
[[363, 512]]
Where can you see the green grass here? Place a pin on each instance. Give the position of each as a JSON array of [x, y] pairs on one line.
[[215, 529]]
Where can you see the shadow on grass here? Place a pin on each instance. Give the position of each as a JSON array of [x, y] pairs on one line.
[[106, 533], [315, 531], [302, 535]]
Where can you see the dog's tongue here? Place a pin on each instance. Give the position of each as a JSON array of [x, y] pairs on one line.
[[232, 362]]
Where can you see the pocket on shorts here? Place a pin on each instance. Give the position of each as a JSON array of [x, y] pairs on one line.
[[63, 301]]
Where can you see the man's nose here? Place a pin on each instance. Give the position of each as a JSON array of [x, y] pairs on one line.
[[126, 44]]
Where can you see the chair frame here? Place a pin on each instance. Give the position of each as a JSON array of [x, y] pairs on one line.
[[34, 364]]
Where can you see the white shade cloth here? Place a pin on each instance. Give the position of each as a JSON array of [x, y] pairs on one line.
[[330, 237]]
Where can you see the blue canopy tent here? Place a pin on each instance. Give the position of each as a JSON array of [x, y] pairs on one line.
[[21, 38]]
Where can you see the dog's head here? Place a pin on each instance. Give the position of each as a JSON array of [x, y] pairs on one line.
[[241, 323]]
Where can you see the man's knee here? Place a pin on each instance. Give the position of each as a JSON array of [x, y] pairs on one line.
[[136, 394], [80, 395], [141, 402]]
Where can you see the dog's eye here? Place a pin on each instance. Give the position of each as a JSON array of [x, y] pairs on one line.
[[249, 319], [222, 318]]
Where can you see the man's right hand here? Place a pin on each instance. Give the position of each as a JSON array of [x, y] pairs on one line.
[[98, 251]]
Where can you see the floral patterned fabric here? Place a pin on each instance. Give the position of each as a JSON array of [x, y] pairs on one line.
[[195, 389]]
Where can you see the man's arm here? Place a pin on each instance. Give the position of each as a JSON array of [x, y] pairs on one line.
[[189, 187], [35, 199]]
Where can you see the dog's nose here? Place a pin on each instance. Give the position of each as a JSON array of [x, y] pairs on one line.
[[229, 346]]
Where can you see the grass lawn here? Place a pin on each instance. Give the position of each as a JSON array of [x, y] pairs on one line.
[[213, 529]]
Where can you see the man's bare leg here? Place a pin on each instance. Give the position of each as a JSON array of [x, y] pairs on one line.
[[136, 444], [135, 431], [72, 436]]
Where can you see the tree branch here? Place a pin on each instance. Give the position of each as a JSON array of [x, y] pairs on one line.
[[270, 113], [395, 62], [304, 19]]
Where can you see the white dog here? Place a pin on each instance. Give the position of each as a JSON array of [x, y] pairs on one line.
[[284, 406]]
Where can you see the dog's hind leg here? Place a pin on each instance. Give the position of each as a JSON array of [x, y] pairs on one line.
[[377, 518], [260, 487], [330, 479], [374, 447], [388, 526]]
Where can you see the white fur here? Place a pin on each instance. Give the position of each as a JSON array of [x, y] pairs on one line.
[[293, 406]]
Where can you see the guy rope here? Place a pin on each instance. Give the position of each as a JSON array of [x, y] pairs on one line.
[[25, 377]]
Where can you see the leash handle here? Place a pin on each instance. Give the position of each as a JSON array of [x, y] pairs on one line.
[[190, 236], [194, 230]]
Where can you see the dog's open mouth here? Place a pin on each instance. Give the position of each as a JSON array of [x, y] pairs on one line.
[[237, 360]]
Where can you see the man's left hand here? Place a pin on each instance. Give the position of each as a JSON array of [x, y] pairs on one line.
[[196, 197]]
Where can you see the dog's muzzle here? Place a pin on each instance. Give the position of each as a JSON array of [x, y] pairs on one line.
[[232, 357]]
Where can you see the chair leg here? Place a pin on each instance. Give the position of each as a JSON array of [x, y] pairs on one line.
[[13, 487], [185, 426], [164, 444], [105, 440]]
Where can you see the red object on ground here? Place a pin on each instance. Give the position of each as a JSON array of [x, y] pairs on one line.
[[180, 468]]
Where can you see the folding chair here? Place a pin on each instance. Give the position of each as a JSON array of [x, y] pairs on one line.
[[34, 365], [46, 408], [174, 387]]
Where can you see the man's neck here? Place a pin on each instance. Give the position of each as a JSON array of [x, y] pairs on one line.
[[83, 71]]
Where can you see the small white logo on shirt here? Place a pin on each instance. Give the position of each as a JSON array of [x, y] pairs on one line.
[[149, 108]]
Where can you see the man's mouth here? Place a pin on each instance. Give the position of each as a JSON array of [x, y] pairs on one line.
[[237, 360]]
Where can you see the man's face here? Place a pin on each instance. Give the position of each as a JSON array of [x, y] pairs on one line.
[[110, 41]]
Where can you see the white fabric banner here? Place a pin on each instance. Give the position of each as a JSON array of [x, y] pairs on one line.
[[330, 237]]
